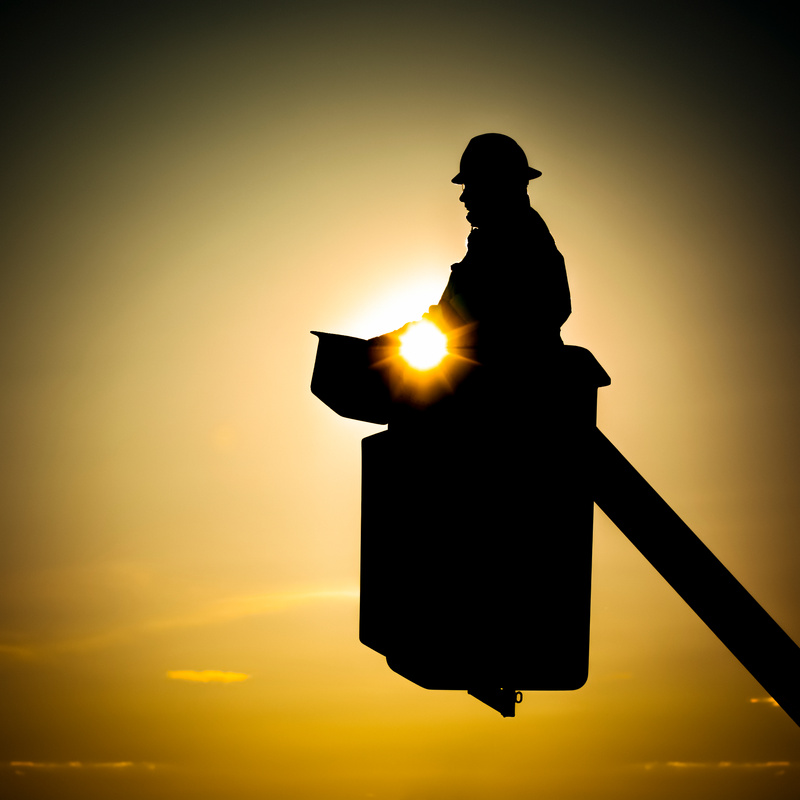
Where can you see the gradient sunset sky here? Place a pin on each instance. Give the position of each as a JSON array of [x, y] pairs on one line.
[[188, 190]]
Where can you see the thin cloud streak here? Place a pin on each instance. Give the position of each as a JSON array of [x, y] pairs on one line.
[[768, 700], [207, 676], [13, 651], [215, 613], [56, 765], [782, 765]]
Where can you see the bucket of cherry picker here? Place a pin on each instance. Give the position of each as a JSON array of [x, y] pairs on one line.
[[476, 526]]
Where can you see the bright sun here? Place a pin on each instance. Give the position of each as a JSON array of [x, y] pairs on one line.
[[423, 346]]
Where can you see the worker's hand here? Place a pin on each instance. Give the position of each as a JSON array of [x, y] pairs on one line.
[[391, 339]]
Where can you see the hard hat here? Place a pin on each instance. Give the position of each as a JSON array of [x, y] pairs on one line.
[[494, 155]]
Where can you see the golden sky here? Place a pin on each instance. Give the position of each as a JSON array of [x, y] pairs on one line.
[[190, 189]]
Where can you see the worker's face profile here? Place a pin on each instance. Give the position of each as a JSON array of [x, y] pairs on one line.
[[476, 194], [487, 194]]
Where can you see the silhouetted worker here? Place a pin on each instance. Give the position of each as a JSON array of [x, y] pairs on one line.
[[505, 301], [509, 294]]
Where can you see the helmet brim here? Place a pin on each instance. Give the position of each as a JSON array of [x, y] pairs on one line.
[[530, 175]]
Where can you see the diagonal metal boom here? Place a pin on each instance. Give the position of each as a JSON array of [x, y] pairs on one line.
[[696, 574]]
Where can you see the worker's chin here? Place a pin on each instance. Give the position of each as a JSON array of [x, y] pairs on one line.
[[474, 218], [480, 218]]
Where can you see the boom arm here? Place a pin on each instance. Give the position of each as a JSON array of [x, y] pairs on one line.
[[695, 573]]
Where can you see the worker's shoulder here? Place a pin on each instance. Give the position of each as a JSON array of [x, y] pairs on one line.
[[534, 219]]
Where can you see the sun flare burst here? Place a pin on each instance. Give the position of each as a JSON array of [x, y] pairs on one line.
[[423, 346]]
